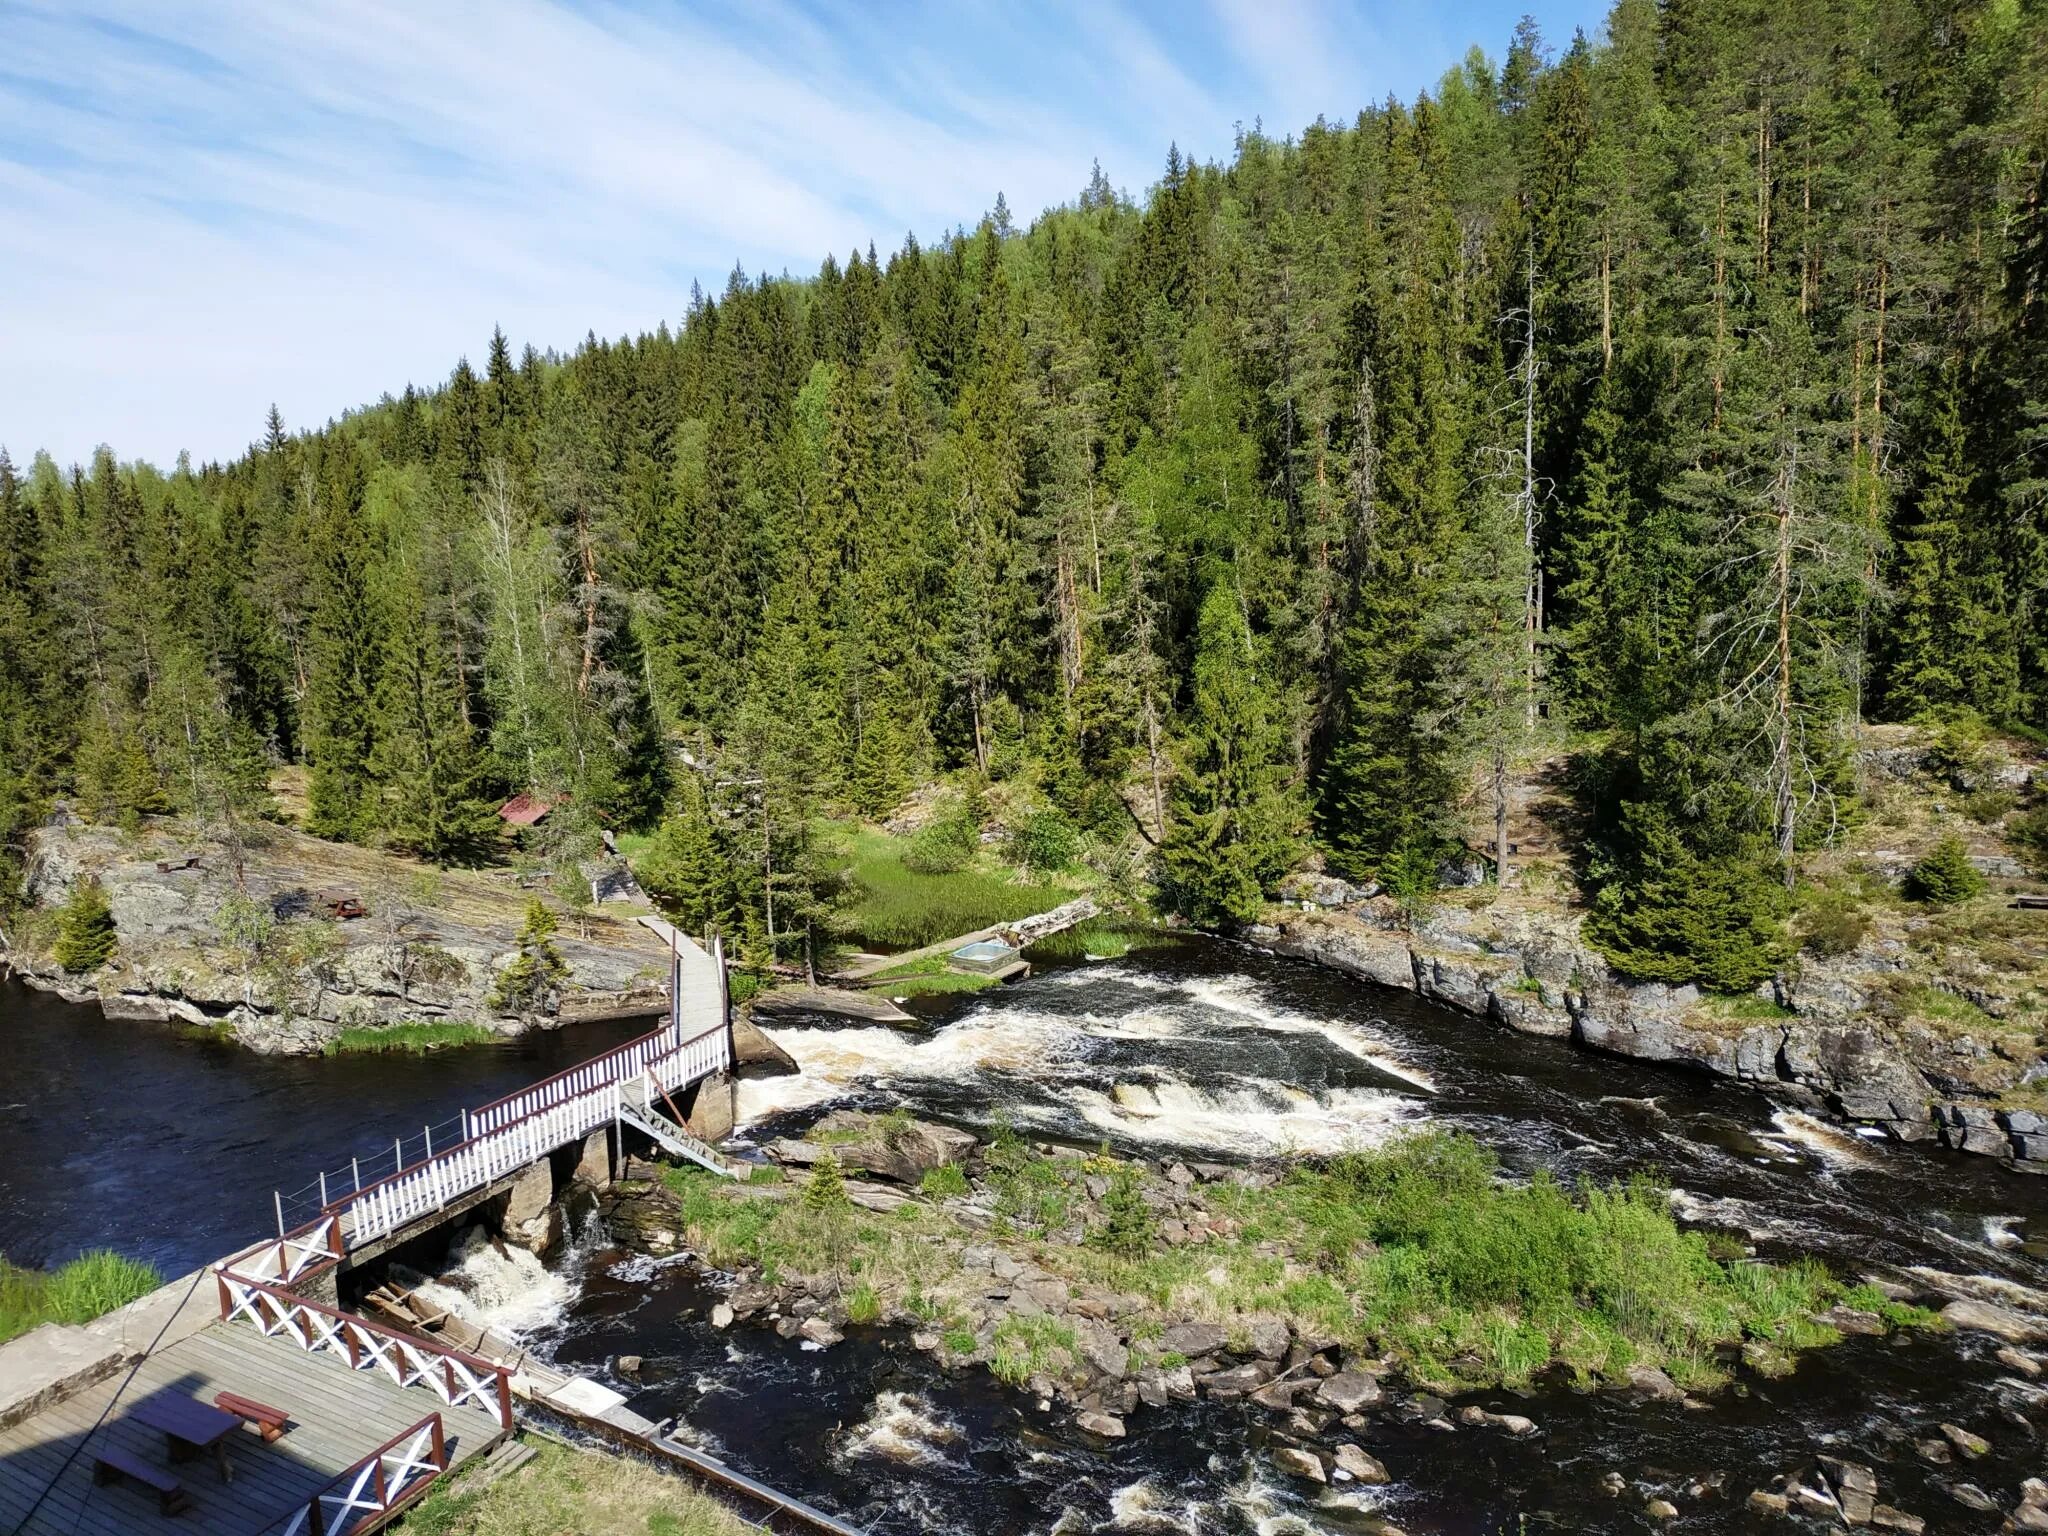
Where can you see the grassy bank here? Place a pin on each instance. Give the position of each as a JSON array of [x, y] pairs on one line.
[[1420, 1251], [929, 977], [1101, 938], [88, 1287], [890, 904], [415, 1038], [563, 1490]]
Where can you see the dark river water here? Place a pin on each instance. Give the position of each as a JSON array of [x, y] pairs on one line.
[[123, 1134]]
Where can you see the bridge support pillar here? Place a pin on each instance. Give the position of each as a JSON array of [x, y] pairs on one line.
[[711, 1109], [594, 1166]]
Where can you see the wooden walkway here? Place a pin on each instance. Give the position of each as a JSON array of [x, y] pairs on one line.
[[337, 1417]]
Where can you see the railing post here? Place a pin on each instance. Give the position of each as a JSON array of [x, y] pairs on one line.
[[428, 1132], [440, 1446], [323, 1189], [316, 1520], [397, 1154], [277, 1199], [356, 1172]]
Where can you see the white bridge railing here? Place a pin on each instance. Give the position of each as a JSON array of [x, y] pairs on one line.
[[506, 1136], [375, 1488]]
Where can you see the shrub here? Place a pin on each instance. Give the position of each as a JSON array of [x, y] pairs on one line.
[[1128, 1225], [825, 1190], [1945, 876], [1046, 843], [85, 928], [943, 846], [1831, 922]]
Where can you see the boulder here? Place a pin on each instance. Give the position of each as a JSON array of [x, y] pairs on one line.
[[722, 1315], [816, 1330], [1885, 1518], [1267, 1337], [1305, 1465], [1101, 1348], [1234, 1382], [1349, 1391], [1193, 1339], [1988, 1317], [1972, 1446], [1355, 1465], [1661, 1509], [1107, 1425], [1653, 1383], [1764, 1502]]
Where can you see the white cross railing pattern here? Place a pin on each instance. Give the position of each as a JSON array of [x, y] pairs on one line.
[[453, 1375], [553, 1113], [297, 1256], [379, 1485]]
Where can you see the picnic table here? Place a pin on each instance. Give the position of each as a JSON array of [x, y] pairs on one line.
[[189, 1427]]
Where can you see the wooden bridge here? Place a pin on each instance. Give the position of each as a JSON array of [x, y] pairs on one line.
[[376, 1413]]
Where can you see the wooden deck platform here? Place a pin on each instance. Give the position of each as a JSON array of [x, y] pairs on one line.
[[338, 1416]]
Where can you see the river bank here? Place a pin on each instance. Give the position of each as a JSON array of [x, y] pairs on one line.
[[262, 962], [1829, 1038]]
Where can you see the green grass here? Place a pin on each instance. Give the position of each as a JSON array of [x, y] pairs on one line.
[[1024, 1347], [890, 904], [562, 1490], [1925, 1002], [90, 1286], [928, 977], [1746, 1005], [1100, 938], [416, 1038]]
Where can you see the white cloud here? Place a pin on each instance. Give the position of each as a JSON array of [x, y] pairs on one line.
[[223, 203]]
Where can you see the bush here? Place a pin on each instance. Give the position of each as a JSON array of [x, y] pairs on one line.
[[825, 1190], [1046, 843], [1128, 1225], [943, 846], [1945, 876], [1831, 922], [943, 1182], [85, 928]]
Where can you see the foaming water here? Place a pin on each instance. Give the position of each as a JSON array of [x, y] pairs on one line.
[[903, 1428], [1206, 1064], [1834, 1144], [500, 1288]]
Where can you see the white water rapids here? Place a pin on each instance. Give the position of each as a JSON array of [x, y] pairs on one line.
[[1111, 1050]]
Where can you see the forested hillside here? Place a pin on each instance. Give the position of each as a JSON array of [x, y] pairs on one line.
[[1680, 394]]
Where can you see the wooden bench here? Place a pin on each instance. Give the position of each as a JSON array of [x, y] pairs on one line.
[[270, 1422], [111, 1462]]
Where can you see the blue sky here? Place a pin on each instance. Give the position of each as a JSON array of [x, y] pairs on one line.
[[218, 203]]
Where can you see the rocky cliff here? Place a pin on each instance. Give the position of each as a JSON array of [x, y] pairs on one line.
[[1839, 1035], [268, 959]]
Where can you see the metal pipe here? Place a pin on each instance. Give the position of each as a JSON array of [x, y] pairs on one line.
[[323, 1189], [356, 1172], [278, 1199], [428, 1131]]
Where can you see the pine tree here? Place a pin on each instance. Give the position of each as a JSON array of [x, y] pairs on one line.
[[530, 982]]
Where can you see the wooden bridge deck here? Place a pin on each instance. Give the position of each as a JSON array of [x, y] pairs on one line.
[[338, 1416]]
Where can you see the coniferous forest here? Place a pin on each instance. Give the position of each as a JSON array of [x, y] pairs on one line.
[[1681, 394]]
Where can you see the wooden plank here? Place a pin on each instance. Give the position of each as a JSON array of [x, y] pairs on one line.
[[339, 1416]]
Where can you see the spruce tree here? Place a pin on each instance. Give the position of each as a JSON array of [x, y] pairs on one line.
[[1233, 816]]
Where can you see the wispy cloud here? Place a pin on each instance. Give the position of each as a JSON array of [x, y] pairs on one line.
[[218, 204]]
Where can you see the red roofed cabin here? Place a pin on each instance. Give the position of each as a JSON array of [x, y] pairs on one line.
[[524, 810]]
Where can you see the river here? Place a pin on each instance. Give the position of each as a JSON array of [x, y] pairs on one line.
[[1205, 1050]]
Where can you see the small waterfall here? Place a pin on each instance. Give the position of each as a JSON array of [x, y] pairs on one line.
[[497, 1287]]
